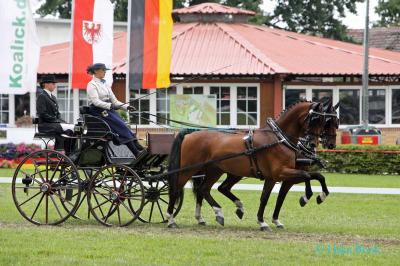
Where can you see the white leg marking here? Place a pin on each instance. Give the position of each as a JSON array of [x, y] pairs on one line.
[[262, 224], [239, 205], [197, 214], [170, 218], [322, 195], [218, 212], [305, 198], [277, 222]]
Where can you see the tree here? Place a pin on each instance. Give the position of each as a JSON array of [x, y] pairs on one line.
[[62, 9], [313, 16], [389, 13]]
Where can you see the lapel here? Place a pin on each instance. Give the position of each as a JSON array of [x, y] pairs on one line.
[[52, 97]]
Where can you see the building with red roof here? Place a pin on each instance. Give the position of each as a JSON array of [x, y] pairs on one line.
[[254, 70]]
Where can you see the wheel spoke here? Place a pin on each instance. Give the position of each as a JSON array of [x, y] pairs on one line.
[[119, 215], [47, 209], [151, 211], [126, 207], [28, 187], [37, 170], [55, 169], [55, 205], [63, 199], [159, 208], [109, 213], [47, 167], [37, 207], [29, 199], [163, 200], [98, 204]]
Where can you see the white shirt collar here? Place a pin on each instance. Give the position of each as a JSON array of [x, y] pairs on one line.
[[98, 80], [48, 92]]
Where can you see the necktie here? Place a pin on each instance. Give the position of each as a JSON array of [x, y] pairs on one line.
[[103, 81]]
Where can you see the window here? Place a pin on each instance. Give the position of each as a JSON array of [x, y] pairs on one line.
[[376, 99], [62, 99], [193, 90], [163, 104], [321, 95], [293, 96], [396, 106], [141, 115], [349, 110], [223, 96], [247, 105], [4, 108], [22, 105], [83, 101]]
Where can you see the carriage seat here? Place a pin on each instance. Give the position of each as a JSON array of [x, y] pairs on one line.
[[40, 135]]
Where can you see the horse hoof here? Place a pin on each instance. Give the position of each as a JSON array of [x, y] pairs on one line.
[[220, 220], [173, 226], [202, 223], [302, 201], [265, 229], [239, 213], [319, 200], [281, 226]]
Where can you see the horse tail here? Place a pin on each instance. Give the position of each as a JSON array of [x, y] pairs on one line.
[[175, 159]]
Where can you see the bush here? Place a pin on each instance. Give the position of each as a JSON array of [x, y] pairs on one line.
[[363, 159]]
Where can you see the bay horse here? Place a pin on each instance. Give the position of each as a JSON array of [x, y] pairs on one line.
[[276, 156], [328, 139]]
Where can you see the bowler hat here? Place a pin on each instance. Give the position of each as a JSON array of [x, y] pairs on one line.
[[47, 79], [92, 68]]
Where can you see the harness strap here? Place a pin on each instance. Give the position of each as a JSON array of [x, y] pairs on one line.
[[249, 143]]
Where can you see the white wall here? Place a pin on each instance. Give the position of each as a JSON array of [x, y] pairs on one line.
[[20, 135], [53, 31]]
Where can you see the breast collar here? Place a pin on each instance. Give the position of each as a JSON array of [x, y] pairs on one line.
[[281, 135]]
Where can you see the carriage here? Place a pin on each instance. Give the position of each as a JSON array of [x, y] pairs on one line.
[[48, 187]]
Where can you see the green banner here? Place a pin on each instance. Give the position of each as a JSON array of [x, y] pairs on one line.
[[195, 109]]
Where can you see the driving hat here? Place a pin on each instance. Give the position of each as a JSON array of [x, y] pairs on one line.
[[47, 79], [92, 68]]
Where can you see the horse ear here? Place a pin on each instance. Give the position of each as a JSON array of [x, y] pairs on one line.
[[337, 106], [318, 107]]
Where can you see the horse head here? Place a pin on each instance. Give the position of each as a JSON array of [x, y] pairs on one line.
[[328, 136], [303, 120]]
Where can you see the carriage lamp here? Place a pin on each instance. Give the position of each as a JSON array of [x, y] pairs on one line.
[[78, 129], [104, 113], [85, 130], [27, 180]]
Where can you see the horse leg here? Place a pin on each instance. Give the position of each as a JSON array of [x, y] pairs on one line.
[[308, 193], [175, 191], [267, 189], [211, 177], [285, 187], [325, 192], [225, 189], [197, 185]]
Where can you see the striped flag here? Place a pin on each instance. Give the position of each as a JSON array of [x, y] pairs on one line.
[[92, 39], [150, 43]]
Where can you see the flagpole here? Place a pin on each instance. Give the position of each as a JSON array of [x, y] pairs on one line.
[[128, 37], [70, 61]]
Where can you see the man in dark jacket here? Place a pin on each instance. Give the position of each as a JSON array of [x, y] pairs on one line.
[[50, 120]]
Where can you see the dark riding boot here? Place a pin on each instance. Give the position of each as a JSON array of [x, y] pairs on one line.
[[138, 146], [132, 147]]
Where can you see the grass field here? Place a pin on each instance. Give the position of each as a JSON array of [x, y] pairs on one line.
[[345, 223]]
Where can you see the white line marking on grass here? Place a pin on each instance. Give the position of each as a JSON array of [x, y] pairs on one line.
[[351, 190]]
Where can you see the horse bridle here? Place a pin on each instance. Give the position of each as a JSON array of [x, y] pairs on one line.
[[310, 136]]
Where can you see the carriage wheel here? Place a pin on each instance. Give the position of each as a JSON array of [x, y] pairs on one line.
[[156, 202], [116, 195], [48, 179]]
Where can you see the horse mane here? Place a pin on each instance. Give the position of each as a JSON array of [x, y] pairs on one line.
[[284, 111]]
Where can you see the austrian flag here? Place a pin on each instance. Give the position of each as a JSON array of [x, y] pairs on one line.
[[92, 39]]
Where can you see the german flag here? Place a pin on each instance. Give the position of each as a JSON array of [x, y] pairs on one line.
[[150, 43]]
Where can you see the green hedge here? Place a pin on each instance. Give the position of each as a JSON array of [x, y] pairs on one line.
[[373, 160]]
